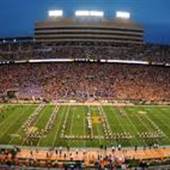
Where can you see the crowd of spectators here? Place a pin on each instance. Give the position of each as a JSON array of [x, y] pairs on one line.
[[82, 81], [59, 158], [143, 52]]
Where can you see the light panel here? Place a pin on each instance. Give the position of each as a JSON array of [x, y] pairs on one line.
[[82, 13], [55, 13], [123, 14], [97, 13], [89, 13]]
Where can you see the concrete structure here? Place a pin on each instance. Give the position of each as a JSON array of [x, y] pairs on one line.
[[88, 29]]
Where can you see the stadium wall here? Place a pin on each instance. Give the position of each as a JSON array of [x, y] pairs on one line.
[[64, 29]]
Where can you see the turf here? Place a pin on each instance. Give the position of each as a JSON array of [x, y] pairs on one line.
[[132, 120]]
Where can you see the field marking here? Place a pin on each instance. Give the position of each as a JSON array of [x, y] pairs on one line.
[[106, 119], [56, 109], [154, 124], [160, 110], [163, 122], [38, 118], [92, 127], [117, 118], [65, 122], [97, 128], [55, 136], [105, 116], [144, 125], [149, 128], [134, 127], [164, 112], [6, 119], [108, 125], [119, 121], [142, 122], [84, 124], [75, 113], [18, 117], [64, 112], [154, 128], [20, 128], [71, 123]]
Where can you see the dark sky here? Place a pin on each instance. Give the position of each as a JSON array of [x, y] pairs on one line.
[[17, 17]]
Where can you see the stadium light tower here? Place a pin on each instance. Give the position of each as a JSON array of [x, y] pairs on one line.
[[122, 15], [89, 13], [55, 13]]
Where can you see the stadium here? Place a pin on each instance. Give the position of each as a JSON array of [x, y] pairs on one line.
[[84, 91]]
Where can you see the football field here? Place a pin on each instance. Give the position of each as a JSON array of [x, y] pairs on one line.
[[47, 125]]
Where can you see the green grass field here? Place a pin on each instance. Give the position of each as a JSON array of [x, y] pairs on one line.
[[110, 125]]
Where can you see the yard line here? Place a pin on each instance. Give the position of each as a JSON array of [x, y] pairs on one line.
[[84, 125], [66, 118], [105, 116], [119, 121], [18, 117], [134, 127], [153, 123], [116, 118], [163, 114], [142, 123], [71, 124], [38, 118], [66, 108], [106, 122], [163, 122], [92, 132], [98, 131], [21, 127], [56, 109], [83, 111], [55, 137], [6, 119]]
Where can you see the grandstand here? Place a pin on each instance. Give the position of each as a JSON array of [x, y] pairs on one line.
[[82, 81], [84, 92]]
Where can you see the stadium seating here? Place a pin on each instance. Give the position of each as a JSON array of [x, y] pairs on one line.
[[145, 52], [81, 81]]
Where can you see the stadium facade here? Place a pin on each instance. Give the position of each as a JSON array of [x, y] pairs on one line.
[[89, 30]]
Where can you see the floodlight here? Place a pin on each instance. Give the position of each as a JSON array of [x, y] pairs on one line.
[[82, 13], [97, 13], [89, 13], [122, 14], [55, 13]]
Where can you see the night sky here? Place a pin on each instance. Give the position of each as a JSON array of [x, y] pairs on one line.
[[17, 17]]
